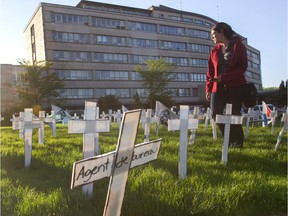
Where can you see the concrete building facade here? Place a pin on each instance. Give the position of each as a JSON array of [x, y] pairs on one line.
[[10, 77], [95, 47]]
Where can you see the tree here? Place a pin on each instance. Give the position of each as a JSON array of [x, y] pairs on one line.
[[155, 79], [37, 84], [109, 102]]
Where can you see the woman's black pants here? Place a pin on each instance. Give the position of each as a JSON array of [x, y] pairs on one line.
[[232, 95]]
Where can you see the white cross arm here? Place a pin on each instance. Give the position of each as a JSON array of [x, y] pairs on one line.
[[27, 125], [88, 126], [98, 167], [221, 119], [174, 124]]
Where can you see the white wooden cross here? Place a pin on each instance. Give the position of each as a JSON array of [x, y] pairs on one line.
[[208, 117], [103, 115], [17, 124], [110, 115], [227, 119], [198, 117], [248, 115], [75, 117], [89, 126], [283, 130], [118, 117], [41, 130], [117, 164], [147, 120], [183, 124], [51, 120], [28, 124]]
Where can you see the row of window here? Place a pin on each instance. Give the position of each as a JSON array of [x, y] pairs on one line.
[[121, 41], [123, 58], [146, 14], [122, 75], [120, 92], [120, 24]]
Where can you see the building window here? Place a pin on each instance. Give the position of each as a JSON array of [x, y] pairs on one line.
[[71, 56], [140, 59], [198, 62], [141, 92], [112, 75], [108, 23], [195, 33], [199, 48], [179, 92], [198, 77], [137, 42], [110, 57], [109, 40], [68, 19], [76, 93], [70, 37], [138, 26], [199, 22], [171, 30], [135, 76], [181, 77], [74, 74], [177, 61], [248, 74], [170, 45], [186, 19], [121, 93]]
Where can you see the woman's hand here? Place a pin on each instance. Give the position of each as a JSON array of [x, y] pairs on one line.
[[208, 95]]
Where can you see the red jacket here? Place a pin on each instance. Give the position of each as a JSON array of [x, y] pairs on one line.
[[235, 73]]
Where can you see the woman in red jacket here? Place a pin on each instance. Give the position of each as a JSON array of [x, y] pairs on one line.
[[225, 77]]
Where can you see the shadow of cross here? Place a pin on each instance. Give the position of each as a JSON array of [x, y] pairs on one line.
[[28, 124], [89, 127], [227, 119], [117, 164], [183, 124]]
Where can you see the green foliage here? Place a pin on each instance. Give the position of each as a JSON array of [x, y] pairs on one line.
[[109, 102], [37, 84], [254, 182], [156, 77]]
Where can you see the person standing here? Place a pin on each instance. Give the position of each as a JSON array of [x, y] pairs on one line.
[[225, 77]]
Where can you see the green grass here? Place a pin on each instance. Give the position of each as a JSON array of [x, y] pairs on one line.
[[254, 182]]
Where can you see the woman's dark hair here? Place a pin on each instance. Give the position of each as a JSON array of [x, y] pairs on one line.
[[225, 28]]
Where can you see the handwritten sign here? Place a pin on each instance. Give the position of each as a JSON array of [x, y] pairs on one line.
[[91, 169], [227, 119]]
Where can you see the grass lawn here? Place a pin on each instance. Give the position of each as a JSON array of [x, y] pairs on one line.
[[254, 182]]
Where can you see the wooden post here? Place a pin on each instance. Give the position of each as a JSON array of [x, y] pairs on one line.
[[227, 119], [183, 124]]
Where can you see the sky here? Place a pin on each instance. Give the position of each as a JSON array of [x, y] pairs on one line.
[[262, 22]]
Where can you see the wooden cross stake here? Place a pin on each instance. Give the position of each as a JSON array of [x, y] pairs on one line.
[[227, 119], [117, 164]]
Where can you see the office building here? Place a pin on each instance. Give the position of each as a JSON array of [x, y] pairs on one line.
[[95, 47]]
